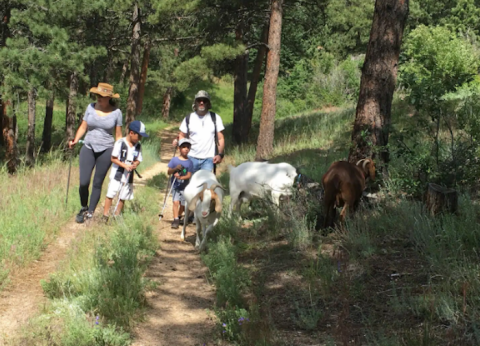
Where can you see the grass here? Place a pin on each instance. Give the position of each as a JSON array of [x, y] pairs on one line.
[[34, 210], [99, 293], [395, 275]]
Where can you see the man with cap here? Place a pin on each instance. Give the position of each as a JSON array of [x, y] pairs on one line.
[[204, 129], [126, 156]]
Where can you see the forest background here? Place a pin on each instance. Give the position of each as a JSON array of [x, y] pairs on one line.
[[157, 54]]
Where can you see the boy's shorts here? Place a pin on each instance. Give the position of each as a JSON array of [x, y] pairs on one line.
[[114, 186], [178, 196]]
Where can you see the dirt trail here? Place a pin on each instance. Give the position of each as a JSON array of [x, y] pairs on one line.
[[177, 313], [178, 307], [23, 298]]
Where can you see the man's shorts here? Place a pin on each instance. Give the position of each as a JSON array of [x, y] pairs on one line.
[[114, 186], [177, 195]]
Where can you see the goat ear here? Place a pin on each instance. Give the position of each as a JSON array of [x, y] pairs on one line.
[[218, 204], [193, 202]]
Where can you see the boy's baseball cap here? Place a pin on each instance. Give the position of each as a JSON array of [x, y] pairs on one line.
[[138, 127], [183, 141]]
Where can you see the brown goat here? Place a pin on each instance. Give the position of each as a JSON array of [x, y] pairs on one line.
[[344, 183]]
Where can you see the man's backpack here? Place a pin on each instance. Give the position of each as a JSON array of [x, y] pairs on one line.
[[123, 157]]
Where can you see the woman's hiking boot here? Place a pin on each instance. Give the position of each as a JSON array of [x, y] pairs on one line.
[[80, 218]]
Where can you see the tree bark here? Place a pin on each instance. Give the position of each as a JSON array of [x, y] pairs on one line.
[[30, 152], [440, 199], [257, 70], [124, 71], [372, 120], [10, 138], [267, 121], [5, 34], [167, 101], [47, 125], [240, 96], [71, 108], [143, 76], [134, 69]]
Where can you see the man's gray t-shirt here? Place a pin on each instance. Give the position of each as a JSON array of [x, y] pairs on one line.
[[101, 128]]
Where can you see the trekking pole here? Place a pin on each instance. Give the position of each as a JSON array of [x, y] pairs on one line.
[[160, 216], [120, 193], [69, 170]]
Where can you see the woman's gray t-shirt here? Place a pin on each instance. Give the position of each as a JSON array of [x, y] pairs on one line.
[[101, 128]]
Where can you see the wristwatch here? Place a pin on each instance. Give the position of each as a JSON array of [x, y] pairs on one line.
[[221, 155]]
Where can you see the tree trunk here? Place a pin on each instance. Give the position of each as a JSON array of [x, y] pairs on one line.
[[143, 76], [257, 70], [124, 71], [30, 152], [167, 100], [134, 69], [9, 138], [5, 34], [47, 126], [379, 76], [267, 121], [440, 199], [240, 91], [71, 108]]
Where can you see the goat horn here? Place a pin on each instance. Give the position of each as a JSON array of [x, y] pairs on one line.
[[214, 186], [365, 163], [359, 162], [204, 185]]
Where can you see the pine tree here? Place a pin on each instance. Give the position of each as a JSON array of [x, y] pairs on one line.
[[267, 122], [372, 119]]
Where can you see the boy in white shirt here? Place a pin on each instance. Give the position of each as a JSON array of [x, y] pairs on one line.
[[126, 156]]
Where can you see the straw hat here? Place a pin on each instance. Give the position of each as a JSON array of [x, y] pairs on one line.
[[105, 90]]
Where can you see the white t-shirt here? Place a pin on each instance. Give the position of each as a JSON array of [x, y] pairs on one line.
[[131, 153], [202, 134]]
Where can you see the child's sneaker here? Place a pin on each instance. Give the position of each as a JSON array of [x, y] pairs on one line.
[[80, 218], [175, 223]]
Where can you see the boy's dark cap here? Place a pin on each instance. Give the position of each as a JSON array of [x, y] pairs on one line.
[[138, 127]]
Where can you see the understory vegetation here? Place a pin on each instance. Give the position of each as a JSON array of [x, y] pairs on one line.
[[394, 275]]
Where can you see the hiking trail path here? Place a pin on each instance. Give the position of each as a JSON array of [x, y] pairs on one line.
[[177, 309]]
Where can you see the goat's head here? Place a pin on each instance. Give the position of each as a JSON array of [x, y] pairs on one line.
[[368, 168], [209, 200]]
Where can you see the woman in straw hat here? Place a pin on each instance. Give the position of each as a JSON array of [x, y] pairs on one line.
[[101, 120]]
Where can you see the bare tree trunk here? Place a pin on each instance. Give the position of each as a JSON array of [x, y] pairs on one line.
[[71, 108], [267, 121], [143, 76], [167, 100], [47, 125], [124, 71], [372, 120], [30, 152], [5, 34], [257, 69], [134, 69], [9, 138]]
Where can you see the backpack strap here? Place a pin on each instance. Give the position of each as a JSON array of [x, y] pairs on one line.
[[187, 121], [123, 158], [214, 119]]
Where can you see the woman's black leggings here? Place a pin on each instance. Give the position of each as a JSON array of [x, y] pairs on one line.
[[88, 160]]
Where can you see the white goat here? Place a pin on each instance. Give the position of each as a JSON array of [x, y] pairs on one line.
[[204, 196], [260, 179]]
